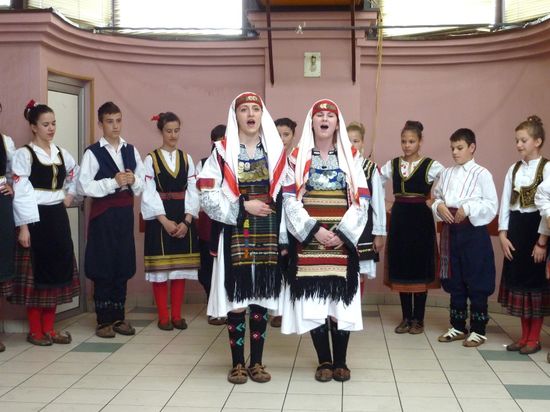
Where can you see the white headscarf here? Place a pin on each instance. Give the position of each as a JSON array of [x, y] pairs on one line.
[[355, 178], [229, 149]]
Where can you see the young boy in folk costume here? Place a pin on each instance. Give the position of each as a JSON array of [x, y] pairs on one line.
[[325, 201], [466, 201], [7, 225], [208, 233], [524, 288], [169, 203], [374, 236], [44, 185], [411, 247], [112, 173], [239, 187]]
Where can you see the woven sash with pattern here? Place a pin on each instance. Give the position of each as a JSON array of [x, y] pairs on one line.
[[328, 207]]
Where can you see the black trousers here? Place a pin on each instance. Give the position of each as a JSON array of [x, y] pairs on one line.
[[109, 299]]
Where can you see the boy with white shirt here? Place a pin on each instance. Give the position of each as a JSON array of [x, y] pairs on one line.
[[111, 174], [466, 201]]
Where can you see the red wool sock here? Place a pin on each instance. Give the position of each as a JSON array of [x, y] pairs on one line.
[[362, 286], [177, 290], [48, 320], [525, 328], [160, 290], [35, 321], [534, 332]]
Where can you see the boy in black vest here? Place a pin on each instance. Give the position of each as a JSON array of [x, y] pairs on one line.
[[112, 173]]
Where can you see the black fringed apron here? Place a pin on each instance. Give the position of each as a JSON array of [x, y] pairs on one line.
[[251, 248]]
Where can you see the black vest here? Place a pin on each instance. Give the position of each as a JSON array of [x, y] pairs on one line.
[[165, 179], [47, 177], [107, 166], [416, 184]]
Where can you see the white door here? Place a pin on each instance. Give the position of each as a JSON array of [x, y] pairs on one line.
[[67, 98]]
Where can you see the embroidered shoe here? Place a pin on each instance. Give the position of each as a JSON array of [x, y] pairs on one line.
[[61, 338], [403, 327], [44, 340], [341, 374], [258, 373], [216, 321], [237, 375], [416, 327], [276, 321], [515, 347], [473, 340], [179, 323], [451, 335], [105, 331], [530, 348], [2, 347], [165, 325], [124, 328], [324, 372]]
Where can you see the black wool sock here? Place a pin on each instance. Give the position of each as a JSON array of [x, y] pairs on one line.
[[406, 305], [340, 340], [236, 327], [420, 306], [258, 324], [319, 336]]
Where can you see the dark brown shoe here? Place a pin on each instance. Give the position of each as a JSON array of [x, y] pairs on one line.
[[61, 338], [43, 341], [258, 373], [179, 324], [530, 348], [276, 321], [341, 374], [515, 347], [2, 347], [237, 375], [403, 327], [416, 327], [324, 372], [124, 328], [216, 321], [105, 331], [165, 326]]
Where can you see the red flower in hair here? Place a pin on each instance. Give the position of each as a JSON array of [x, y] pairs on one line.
[[31, 104], [155, 118]]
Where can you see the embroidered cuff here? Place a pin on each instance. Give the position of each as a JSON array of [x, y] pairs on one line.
[[349, 244], [312, 233], [242, 211]]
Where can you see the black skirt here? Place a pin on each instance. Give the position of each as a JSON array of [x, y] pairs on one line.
[[522, 273], [411, 244], [7, 239], [52, 248]]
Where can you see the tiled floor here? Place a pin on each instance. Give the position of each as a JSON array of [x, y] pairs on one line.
[[186, 370]]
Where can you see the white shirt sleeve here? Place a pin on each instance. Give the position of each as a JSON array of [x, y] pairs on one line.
[[151, 203], [139, 175], [25, 206], [86, 185], [213, 200], [378, 205], [483, 211], [435, 171], [192, 203], [504, 214], [386, 173], [438, 197]]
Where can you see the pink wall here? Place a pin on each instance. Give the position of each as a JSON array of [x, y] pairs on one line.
[[487, 83]]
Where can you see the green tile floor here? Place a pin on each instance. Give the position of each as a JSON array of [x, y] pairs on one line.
[[186, 370]]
